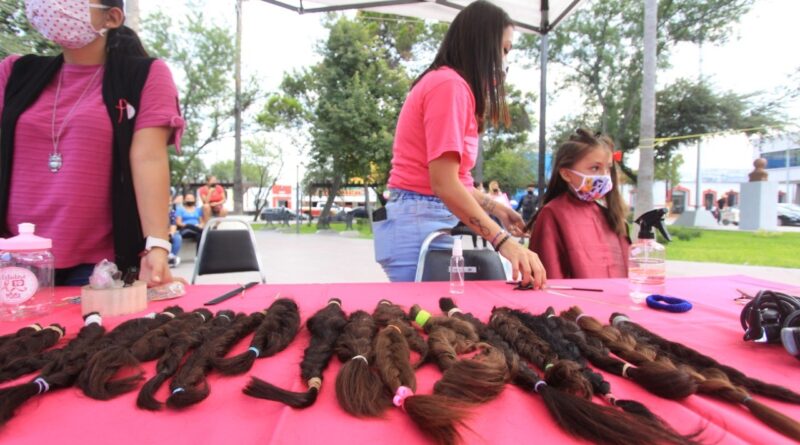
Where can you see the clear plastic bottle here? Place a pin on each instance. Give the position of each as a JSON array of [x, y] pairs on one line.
[[457, 268], [647, 263], [27, 273]]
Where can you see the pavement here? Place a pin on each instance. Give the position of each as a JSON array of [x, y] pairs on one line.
[[334, 258]]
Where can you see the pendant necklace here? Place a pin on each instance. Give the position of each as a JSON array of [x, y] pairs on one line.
[[55, 161]]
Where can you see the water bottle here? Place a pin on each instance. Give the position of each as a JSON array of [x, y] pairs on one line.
[[647, 263], [27, 275], [457, 268]]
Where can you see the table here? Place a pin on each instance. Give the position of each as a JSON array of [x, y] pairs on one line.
[[228, 416]]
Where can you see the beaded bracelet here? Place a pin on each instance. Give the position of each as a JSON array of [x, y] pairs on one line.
[[500, 244], [500, 232]]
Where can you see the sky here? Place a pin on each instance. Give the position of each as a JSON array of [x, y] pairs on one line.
[[756, 58]]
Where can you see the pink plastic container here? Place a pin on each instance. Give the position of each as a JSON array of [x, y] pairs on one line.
[[27, 273]]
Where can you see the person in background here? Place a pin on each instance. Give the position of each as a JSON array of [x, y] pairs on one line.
[[581, 231], [189, 219], [527, 206], [213, 197], [175, 238], [83, 142], [436, 145], [497, 194]]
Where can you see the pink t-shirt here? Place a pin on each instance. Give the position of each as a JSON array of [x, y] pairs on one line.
[[73, 206], [438, 116]]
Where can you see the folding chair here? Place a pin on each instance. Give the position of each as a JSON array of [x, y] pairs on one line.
[[479, 264], [224, 249]]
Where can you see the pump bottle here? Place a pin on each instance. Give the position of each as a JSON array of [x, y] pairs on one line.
[[647, 260], [457, 268]]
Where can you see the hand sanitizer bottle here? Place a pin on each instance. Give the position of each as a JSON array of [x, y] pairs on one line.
[[457, 268], [648, 259]]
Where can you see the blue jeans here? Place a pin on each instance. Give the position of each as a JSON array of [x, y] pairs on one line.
[[176, 241], [74, 276], [410, 218]]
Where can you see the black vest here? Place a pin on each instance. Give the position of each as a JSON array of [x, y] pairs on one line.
[[124, 78]]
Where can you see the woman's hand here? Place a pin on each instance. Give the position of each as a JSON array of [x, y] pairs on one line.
[[525, 264], [512, 221], [154, 268]]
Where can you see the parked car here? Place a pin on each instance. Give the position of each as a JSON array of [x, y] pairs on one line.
[[358, 212], [788, 215], [316, 209], [272, 214]]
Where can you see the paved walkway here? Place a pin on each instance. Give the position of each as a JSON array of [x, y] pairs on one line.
[[332, 258]]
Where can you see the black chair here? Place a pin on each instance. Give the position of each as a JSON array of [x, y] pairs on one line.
[[226, 250], [479, 264]]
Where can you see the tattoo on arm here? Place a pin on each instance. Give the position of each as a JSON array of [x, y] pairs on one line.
[[483, 230], [488, 204]]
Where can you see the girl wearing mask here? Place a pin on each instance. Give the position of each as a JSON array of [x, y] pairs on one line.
[[436, 144], [83, 142], [581, 231]]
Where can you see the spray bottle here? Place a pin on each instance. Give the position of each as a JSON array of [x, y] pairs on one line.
[[457, 268], [647, 261]]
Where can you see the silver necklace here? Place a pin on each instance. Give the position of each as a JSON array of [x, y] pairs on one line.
[[55, 160]]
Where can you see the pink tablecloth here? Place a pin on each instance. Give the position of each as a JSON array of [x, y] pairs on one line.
[[228, 416]]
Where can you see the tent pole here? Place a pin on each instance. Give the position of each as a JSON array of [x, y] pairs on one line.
[[542, 112]]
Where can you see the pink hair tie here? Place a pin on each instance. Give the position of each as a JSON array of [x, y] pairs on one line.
[[400, 396]]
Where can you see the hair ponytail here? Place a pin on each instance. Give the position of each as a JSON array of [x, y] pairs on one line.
[[123, 41]]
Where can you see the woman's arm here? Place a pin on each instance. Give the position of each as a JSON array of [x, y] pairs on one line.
[[510, 219], [464, 204], [150, 167]]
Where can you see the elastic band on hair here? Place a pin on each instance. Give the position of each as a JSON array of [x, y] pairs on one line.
[[201, 316], [746, 399], [35, 327], [396, 327], [334, 301], [93, 318], [386, 302], [551, 315], [360, 357], [177, 390], [400, 396], [55, 327], [422, 317], [43, 385], [619, 319], [453, 311], [669, 304], [224, 316], [625, 369], [548, 366], [314, 382], [610, 397], [168, 314], [538, 384], [254, 350], [151, 315], [578, 318]]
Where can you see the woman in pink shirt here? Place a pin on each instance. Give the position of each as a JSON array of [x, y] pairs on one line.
[[436, 144], [83, 142], [581, 230]]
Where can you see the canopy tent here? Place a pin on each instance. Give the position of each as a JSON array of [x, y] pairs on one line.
[[535, 16]]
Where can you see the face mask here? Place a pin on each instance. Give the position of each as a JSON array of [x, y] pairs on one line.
[[66, 22], [593, 187]]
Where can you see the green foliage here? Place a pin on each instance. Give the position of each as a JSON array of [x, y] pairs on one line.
[[513, 169], [16, 34], [520, 108], [736, 247], [680, 233]]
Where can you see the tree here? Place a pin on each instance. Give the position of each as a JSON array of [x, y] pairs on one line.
[[513, 169], [201, 56], [516, 135], [602, 46], [17, 36], [647, 123]]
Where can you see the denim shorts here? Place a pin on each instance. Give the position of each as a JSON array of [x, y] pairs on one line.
[[410, 218]]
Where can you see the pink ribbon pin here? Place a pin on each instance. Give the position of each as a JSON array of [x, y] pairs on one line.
[[400, 396]]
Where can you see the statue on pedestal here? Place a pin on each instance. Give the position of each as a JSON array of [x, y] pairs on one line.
[[759, 174]]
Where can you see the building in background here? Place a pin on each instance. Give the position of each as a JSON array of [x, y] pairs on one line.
[[782, 153]]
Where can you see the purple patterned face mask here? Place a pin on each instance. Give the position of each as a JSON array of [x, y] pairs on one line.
[[593, 187], [67, 23]]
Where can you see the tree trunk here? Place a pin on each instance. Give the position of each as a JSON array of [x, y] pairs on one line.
[[647, 129], [367, 206], [324, 217], [238, 190]]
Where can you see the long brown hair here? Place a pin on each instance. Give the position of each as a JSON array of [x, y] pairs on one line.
[[472, 47], [569, 153]]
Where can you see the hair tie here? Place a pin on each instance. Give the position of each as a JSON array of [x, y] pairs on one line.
[[168, 314], [669, 304], [43, 385], [619, 319], [396, 327], [552, 315], [611, 399], [177, 390], [151, 315], [386, 302], [422, 317], [548, 366], [539, 383], [578, 318], [254, 350], [360, 357], [746, 399], [95, 318], [223, 315], [625, 369], [57, 328], [335, 301], [315, 382], [453, 311], [201, 316], [400, 396], [36, 327]]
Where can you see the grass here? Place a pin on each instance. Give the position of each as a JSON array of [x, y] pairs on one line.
[[778, 249]]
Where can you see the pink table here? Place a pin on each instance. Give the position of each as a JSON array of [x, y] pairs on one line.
[[228, 416]]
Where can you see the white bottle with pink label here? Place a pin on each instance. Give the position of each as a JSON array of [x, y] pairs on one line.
[[26, 275]]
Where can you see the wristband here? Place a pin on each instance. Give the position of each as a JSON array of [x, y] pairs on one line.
[[502, 231], [153, 242], [502, 241]]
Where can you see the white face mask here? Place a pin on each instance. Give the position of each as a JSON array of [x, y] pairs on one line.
[[68, 23]]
